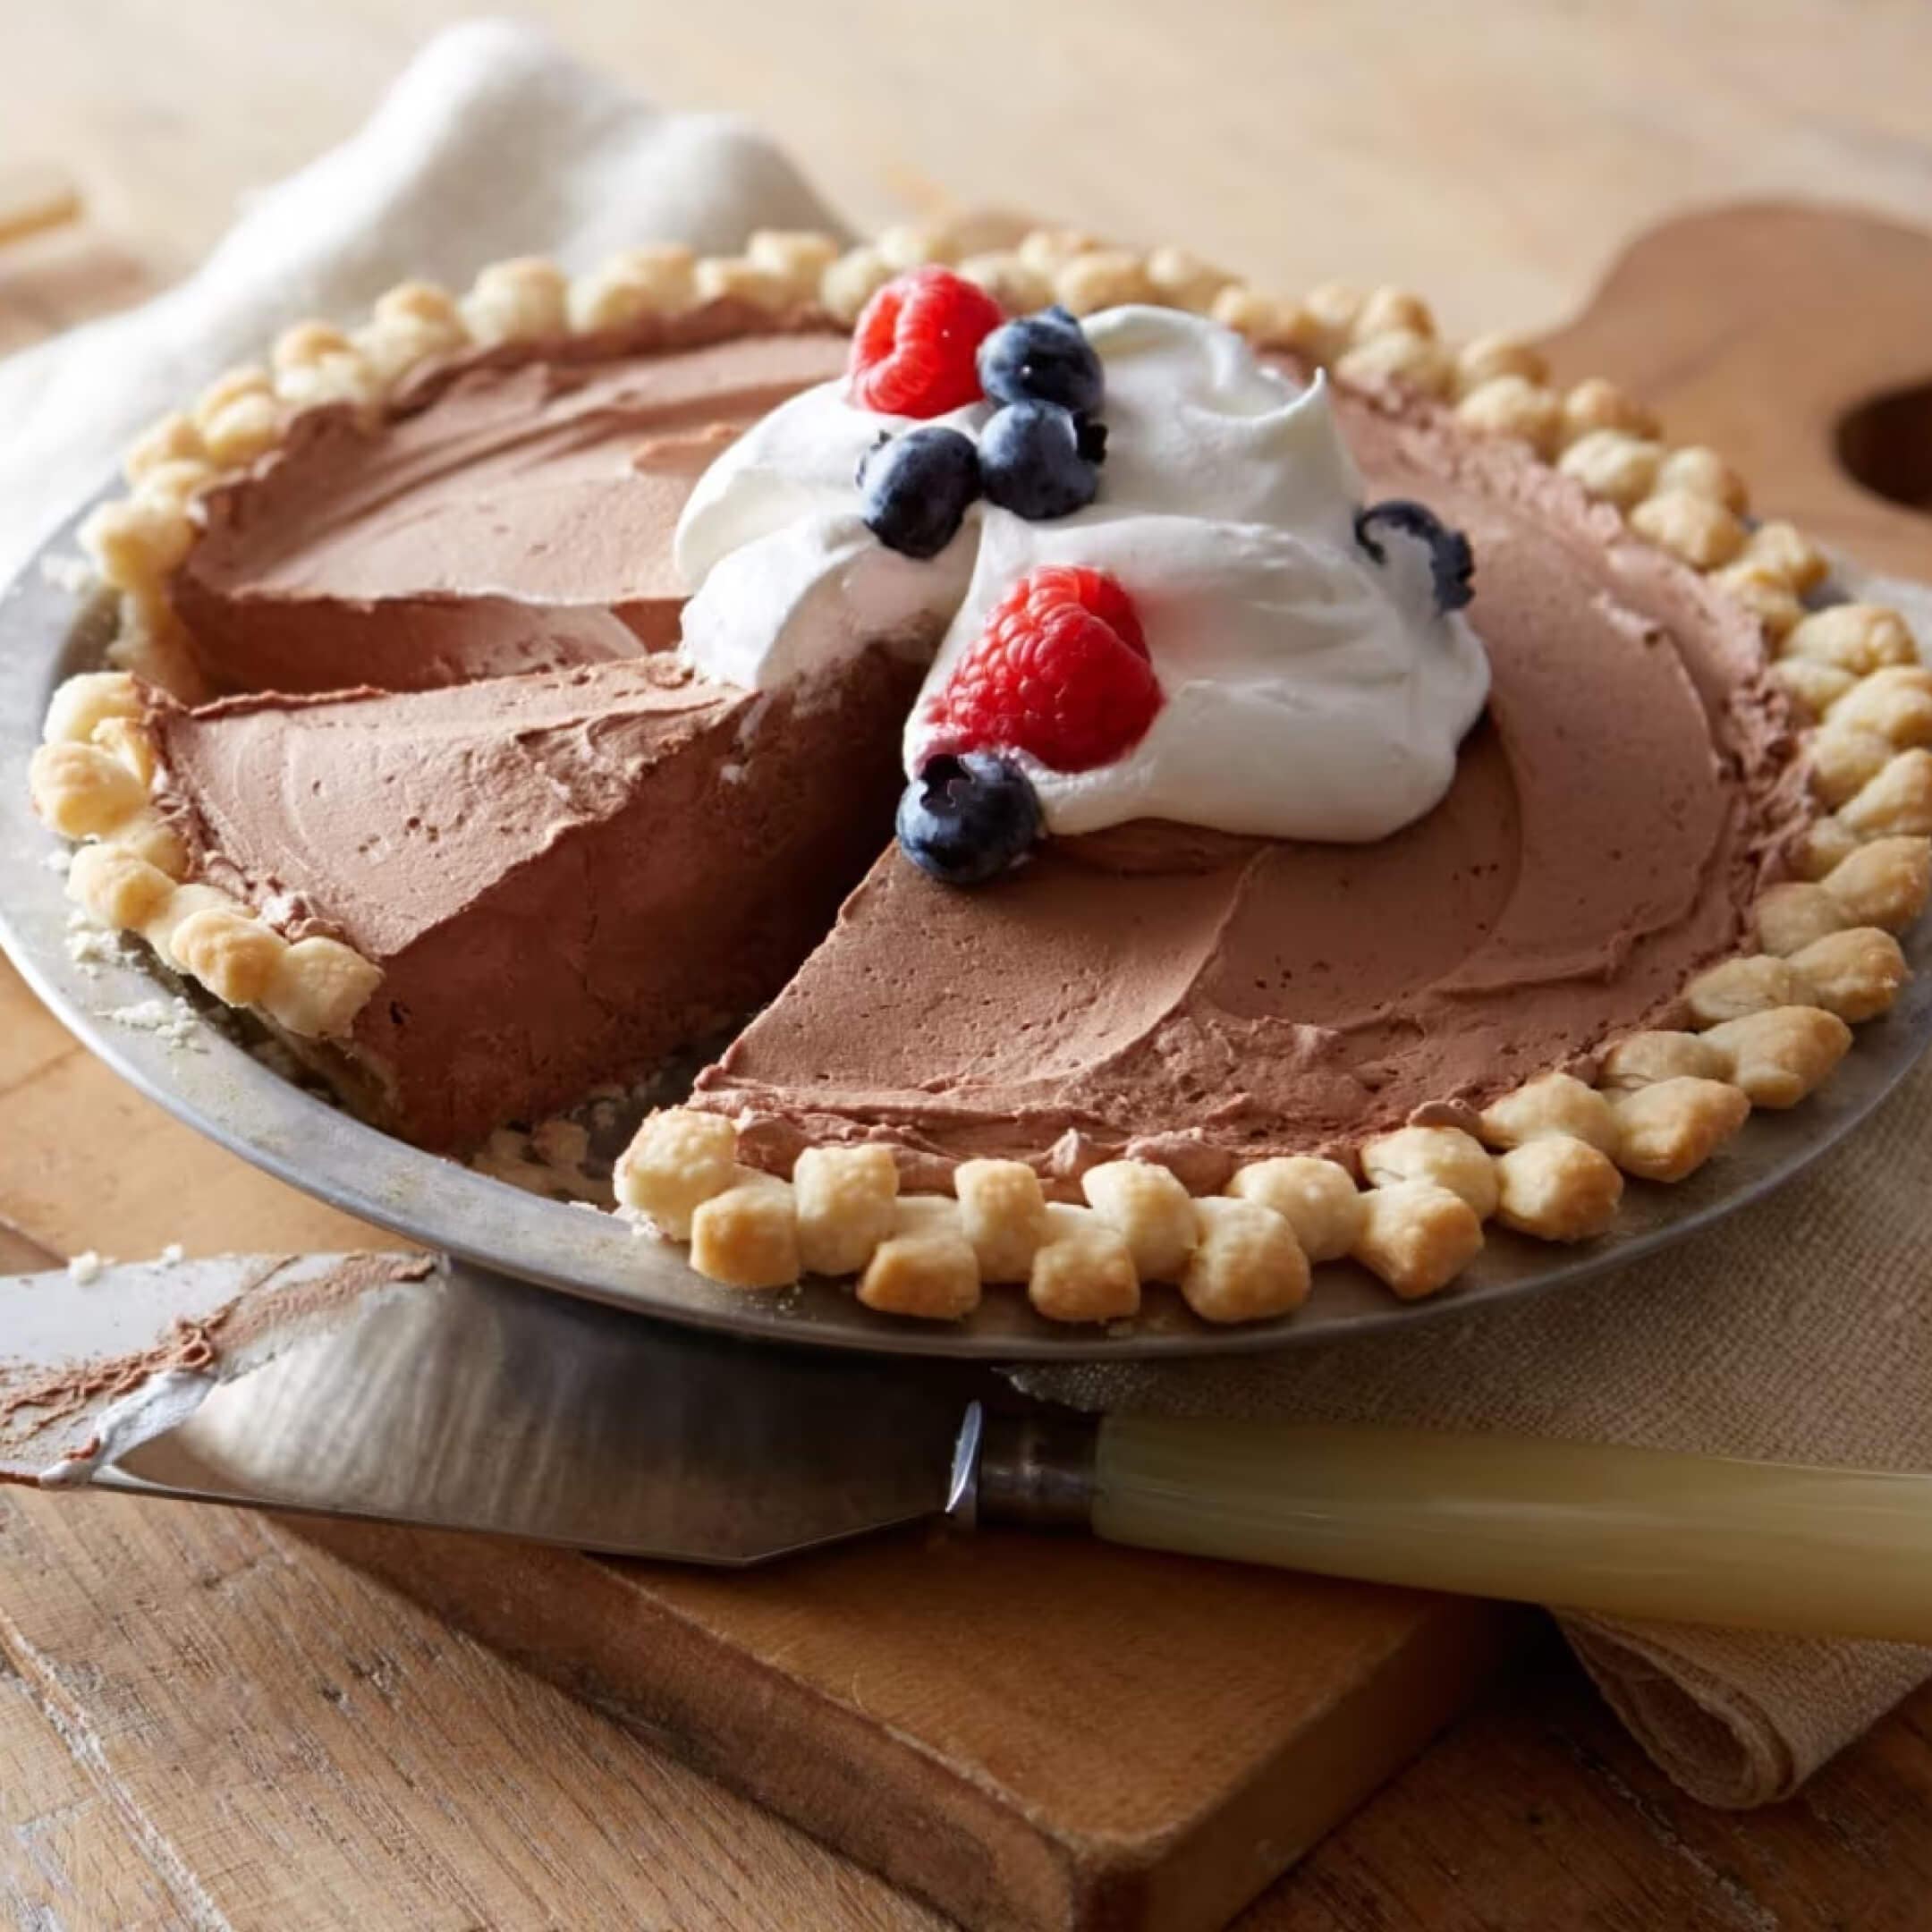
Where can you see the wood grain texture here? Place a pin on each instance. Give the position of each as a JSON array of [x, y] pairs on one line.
[[1495, 153], [205, 1722], [1028, 1731], [1538, 1814], [1762, 329], [34, 200]]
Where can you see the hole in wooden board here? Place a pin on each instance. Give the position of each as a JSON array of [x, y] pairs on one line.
[[1885, 444]]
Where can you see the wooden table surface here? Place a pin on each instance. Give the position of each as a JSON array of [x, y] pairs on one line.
[[204, 1722]]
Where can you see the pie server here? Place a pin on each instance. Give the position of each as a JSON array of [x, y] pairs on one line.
[[413, 1389]]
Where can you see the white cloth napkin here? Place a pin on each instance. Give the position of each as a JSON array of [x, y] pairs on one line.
[[493, 142]]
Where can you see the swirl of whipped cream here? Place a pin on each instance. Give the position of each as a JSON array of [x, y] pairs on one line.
[[788, 580], [1309, 691]]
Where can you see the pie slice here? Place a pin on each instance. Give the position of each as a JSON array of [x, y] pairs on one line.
[[406, 762], [533, 864]]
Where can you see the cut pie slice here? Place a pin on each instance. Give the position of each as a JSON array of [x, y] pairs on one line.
[[558, 876]]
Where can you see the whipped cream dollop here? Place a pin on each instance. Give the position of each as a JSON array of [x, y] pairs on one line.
[[1309, 690], [788, 581]]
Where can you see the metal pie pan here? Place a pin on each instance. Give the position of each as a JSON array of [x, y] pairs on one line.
[[50, 627]]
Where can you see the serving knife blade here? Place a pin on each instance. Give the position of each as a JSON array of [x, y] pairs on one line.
[[419, 1391], [412, 1389]]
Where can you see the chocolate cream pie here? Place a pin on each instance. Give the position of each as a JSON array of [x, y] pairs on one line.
[[1346, 789]]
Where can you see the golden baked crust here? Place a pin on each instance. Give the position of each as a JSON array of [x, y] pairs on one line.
[[1548, 1160], [92, 779]]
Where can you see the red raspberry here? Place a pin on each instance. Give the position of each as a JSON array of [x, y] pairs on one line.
[[915, 350], [1060, 672]]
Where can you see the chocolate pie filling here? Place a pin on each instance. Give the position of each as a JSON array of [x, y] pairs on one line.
[[568, 871]]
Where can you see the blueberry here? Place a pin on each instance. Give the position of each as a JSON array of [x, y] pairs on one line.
[[1452, 561], [1039, 462], [1044, 358], [967, 819], [915, 490]]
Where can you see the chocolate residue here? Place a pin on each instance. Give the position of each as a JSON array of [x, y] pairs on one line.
[[189, 1345], [41, 1405]]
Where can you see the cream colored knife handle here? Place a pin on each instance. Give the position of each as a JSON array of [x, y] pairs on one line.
[[1630, 1532]]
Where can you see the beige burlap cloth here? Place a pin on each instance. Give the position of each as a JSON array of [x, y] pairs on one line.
[[1798, 1331]]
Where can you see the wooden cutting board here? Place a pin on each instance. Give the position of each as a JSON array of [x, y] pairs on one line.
[[1039, 1733], [1797, 341]]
